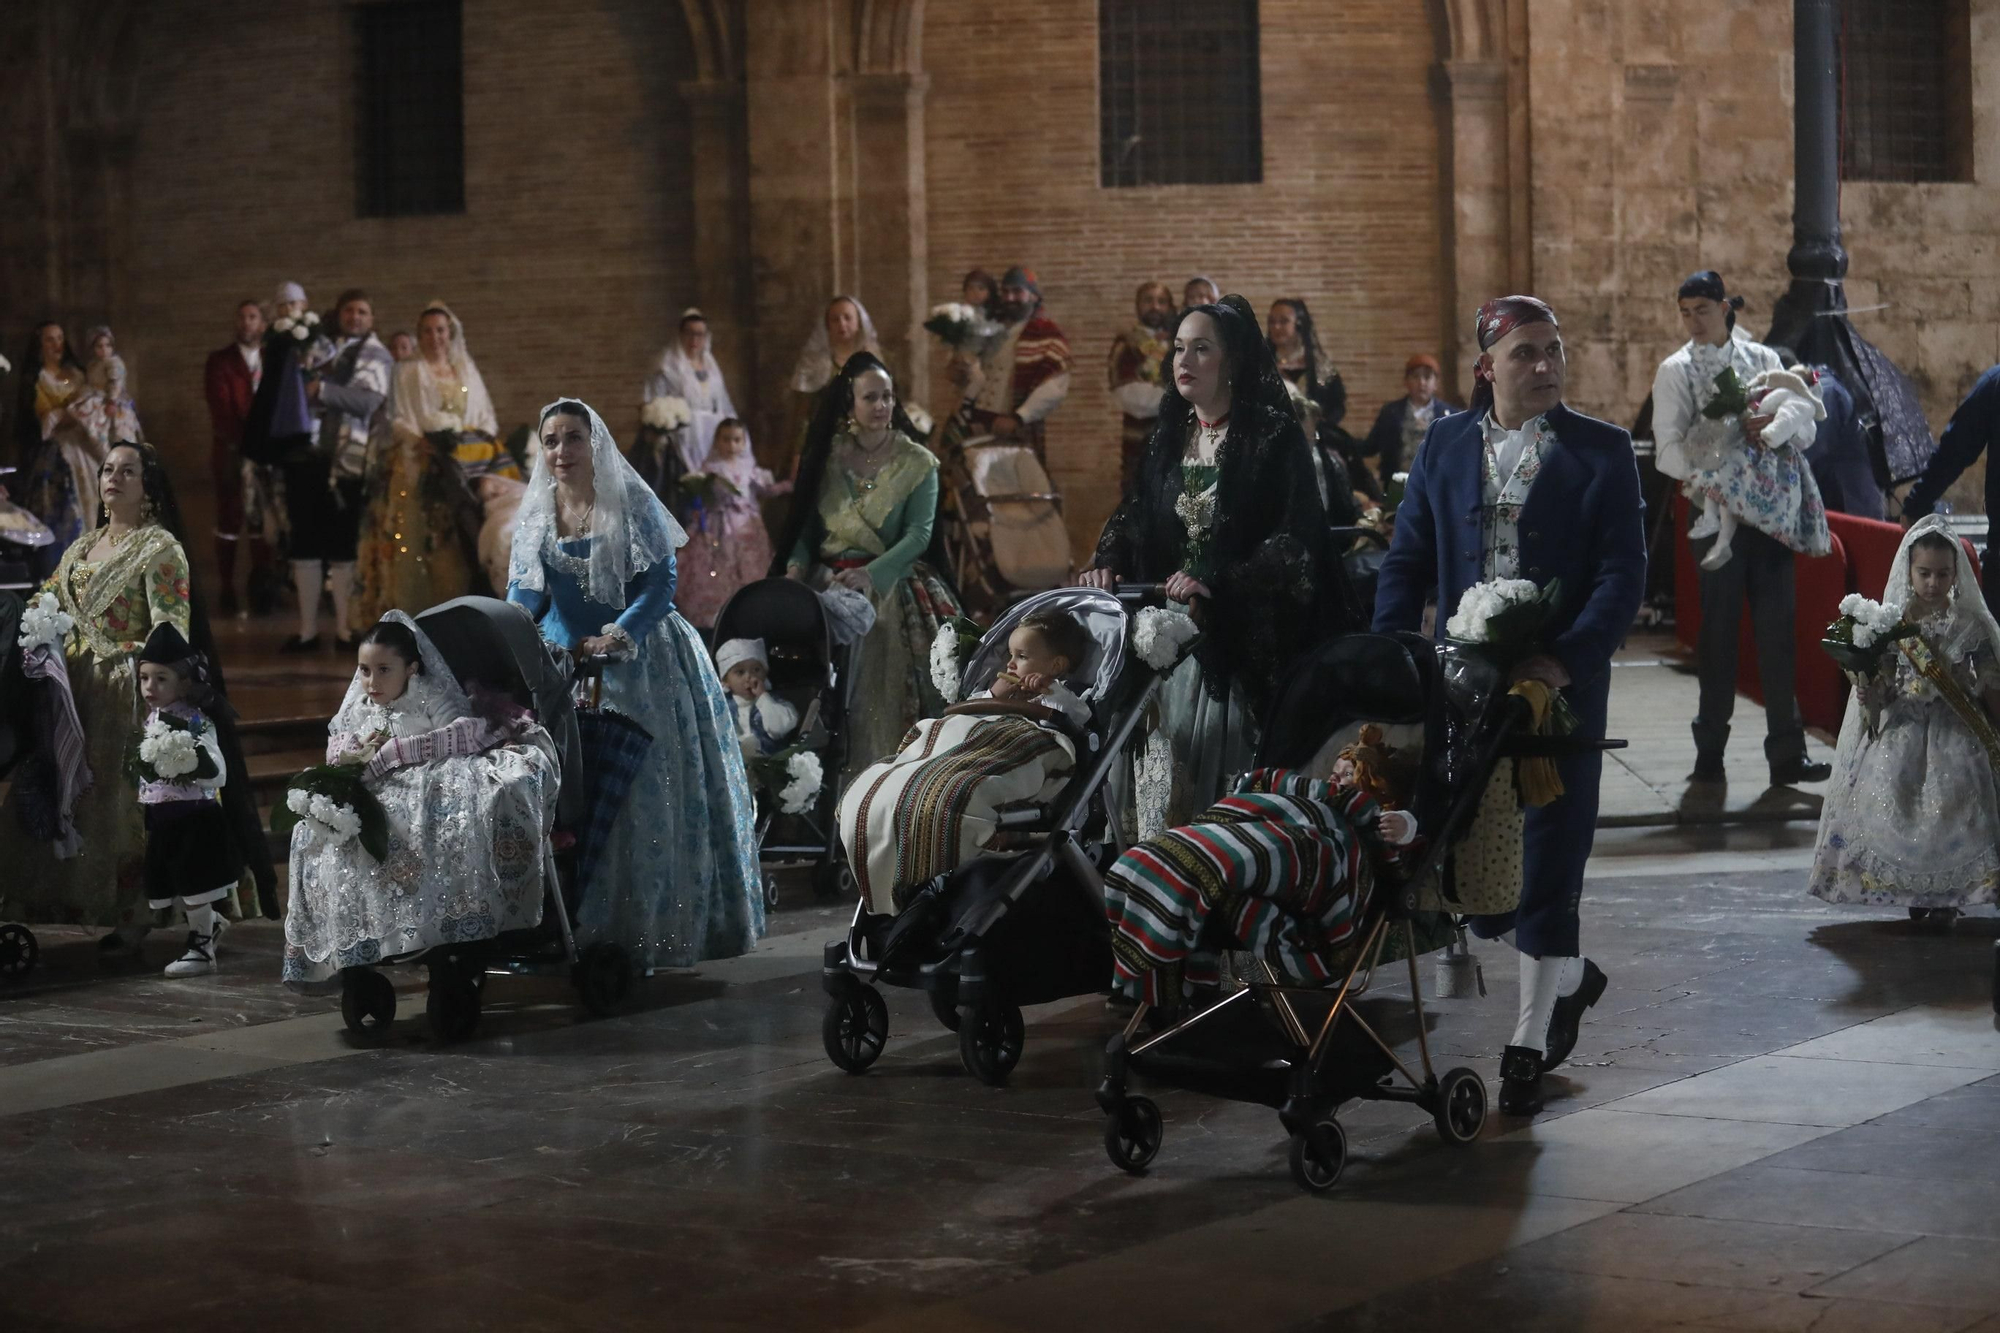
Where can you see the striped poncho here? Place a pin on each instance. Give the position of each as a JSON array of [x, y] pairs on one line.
[[1281, 865]]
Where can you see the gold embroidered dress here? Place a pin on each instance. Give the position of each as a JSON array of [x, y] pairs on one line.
[[115, 603]]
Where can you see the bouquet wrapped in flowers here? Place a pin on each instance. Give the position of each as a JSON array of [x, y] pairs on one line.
[[335, 806], [1162, 636], [1506, 621], [792, 777], [957, 639], [959, 326], [169, 748], [1861, 636], [45, 625], [665, 413]]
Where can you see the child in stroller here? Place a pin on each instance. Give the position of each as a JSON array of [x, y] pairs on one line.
[[1325, 907], [985, 930]]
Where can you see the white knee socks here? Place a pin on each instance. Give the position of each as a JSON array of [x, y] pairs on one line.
[[340, 581], [306, 576], [1543, 981], [201, 920]]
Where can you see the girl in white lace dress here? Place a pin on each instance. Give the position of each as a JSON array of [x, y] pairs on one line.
[[471, 803], [1912, 818]]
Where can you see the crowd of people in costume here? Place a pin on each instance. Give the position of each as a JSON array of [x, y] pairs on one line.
[[380, 477]]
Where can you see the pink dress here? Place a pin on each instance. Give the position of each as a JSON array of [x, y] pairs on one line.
[[728, 545]]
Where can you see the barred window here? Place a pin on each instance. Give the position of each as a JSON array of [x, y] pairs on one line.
[[1905, 90], [409, 131], [1179, 93]]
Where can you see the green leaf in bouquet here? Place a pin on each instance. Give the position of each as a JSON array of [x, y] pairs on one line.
[[1730, 398]]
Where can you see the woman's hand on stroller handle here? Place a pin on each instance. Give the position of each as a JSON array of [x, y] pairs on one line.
[[1109, 581]]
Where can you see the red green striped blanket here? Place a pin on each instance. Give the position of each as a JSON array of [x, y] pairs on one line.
[[1280, 865]]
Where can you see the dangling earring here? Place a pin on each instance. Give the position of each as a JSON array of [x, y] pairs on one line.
[[147, 511], [850, 426]]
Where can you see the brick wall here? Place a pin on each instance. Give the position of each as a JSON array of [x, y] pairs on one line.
[[1347, 216], [1662, 138], [569, 265]]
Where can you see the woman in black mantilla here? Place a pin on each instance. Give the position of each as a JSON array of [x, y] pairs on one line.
[[1226, 514]]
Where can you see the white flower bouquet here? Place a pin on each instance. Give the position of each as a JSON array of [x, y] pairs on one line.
[[45, 624], [959, 326], [1504, 617], [336, 807], [957, 639], [1162, 636], [1861, 636], [792, 777], [169, 751], [666, 412], [5, 365], [294, 328]]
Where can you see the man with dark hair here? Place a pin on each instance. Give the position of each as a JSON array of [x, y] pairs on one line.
[[1521, 487], [1023, 372], [229, 381], [323, 484], [1138, 356]]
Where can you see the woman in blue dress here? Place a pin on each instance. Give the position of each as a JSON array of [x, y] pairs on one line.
[[593, 561]]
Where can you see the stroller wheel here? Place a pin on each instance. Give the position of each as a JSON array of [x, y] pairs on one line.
[[1318, 1154], [18, 950], [990, 1045], [856, 1028], [367, 1002], [453, 1003], [603, 977], [944, 1001], [1132, 1134], [770, 893], [1458, 1107], [833, 881]]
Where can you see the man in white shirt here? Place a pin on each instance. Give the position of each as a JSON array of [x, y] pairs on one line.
[[1024, 369], [1762, 569]]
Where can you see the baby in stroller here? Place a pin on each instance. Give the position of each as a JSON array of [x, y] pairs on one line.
[[1283, 865], [469, 800], [937, 802]]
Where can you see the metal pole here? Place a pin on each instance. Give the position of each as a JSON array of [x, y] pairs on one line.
[[1816, 251]]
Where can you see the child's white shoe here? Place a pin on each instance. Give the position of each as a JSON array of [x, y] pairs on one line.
[[1717, 556], [1706, 524], [199, 960]]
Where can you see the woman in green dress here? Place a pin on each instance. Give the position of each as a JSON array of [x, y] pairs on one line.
[[123, 576], [864, 517]]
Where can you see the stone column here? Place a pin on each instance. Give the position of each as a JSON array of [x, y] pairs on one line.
[[1481, 204], [891, 245], [716, 134]]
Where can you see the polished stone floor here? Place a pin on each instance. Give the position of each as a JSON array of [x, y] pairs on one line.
[[1780, 1118]]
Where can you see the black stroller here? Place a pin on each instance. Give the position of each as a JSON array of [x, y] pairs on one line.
[[18, 946], [1306, 1049], [1007, 929], [494, 644], [809, 672]]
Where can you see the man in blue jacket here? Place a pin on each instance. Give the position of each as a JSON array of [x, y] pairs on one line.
[[1522, 487], [1972, 428]]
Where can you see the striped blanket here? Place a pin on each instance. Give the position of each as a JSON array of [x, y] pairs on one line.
[[1281, 865], [936, 803]]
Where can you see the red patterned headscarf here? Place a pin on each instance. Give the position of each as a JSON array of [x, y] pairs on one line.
[[1494, 321]]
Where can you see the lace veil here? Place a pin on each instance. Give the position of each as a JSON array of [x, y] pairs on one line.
[[434, 692], [630, 530], [816, 366], [1973, 626]]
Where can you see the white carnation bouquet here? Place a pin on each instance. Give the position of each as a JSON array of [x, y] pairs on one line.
[[957, 639], [959, 326], [168, 751], [1162, 636], [1505, 621], [298, 328], [666, 412], [792, 777], [335, 806], [45, 624], [329, 820], [1861, 636]]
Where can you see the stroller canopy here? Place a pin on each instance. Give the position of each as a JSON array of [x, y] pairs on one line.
[[1101, 613]]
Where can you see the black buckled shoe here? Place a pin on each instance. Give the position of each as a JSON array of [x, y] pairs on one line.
[[1794, 771], [1520, 1081], [1568, 1016], [1708, 767]]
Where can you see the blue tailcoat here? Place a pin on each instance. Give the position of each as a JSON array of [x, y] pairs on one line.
[[1584, 523]]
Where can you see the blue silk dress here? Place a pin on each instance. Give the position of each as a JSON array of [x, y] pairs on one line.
[[678, 880]]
